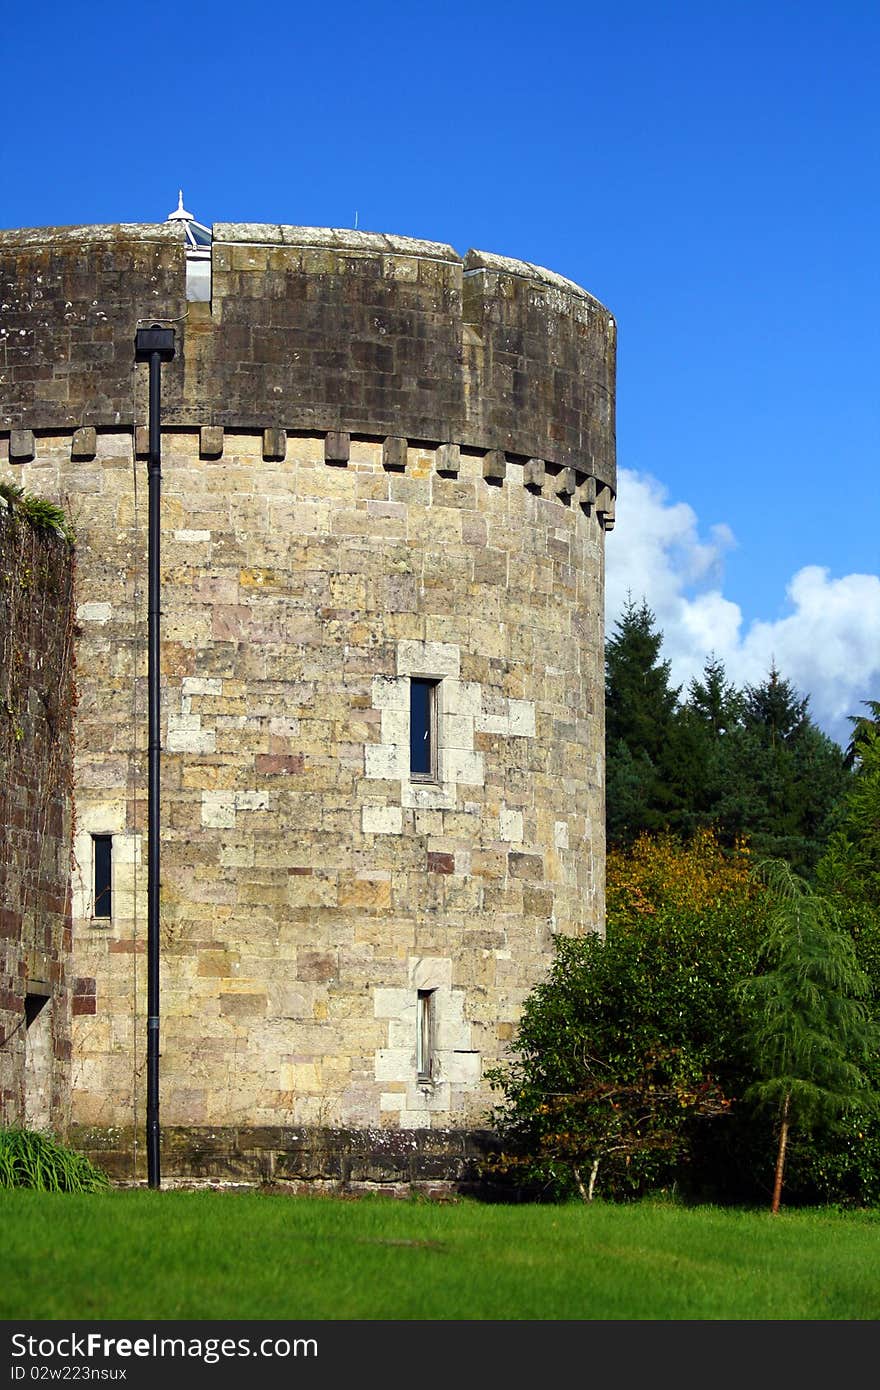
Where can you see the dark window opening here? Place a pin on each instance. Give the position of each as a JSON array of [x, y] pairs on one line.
[[423, 729], [425, 1034], [33, 1004], [103, 856]]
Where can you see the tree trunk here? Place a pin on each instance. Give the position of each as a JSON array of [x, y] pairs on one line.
[[780, 1156], [586, 1192], [593, 1172]]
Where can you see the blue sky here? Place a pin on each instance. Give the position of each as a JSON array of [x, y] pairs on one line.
[[709, 172]]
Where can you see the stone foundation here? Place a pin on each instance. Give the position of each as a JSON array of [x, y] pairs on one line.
[[304, 1160]]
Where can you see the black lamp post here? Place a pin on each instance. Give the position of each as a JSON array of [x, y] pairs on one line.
[[153, 345]]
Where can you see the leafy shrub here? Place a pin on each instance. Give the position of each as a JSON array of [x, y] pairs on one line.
[[32, 1159], [635, 1046]]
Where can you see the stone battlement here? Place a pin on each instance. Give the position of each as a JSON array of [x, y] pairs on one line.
[[568, 486]]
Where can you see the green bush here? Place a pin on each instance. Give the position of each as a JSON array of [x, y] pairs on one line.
[[37, 1160], [633, 1052], [632, 1059]]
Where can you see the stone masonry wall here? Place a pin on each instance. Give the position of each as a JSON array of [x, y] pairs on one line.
[[309, 888], [36, 778], [380, 462]]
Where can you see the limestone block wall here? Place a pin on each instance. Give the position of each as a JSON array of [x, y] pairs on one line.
[[310, 888]]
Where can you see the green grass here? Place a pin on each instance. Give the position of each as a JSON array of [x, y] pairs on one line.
[[209, 1255]]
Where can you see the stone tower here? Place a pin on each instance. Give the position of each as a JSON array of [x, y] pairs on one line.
[[387, 476]]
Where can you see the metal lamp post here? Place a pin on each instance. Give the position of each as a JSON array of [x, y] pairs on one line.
[[154, 345]]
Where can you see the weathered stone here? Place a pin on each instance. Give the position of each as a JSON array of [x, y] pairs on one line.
[[495, 466], [312, 887], [533, 474], [38, 994], [526, 865], [337, 447], [449, 459], [565, 484], [605, 507], [440, 863], [84, 444], [587, 494], [469, 363], [211, 441], [394, 452], [274, 444], [21, 446]]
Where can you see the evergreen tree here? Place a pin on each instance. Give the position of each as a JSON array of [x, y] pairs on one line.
[[749, 763], [780, 776], [640, 708], [712, 712], [640, 704], [850, 866], [775, 707], [864, 727], [812, 1034], [849, 870], [713, 701]]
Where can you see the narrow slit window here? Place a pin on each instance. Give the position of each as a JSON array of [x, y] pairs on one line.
[[423, 729], [425, 1035], [102, 850]]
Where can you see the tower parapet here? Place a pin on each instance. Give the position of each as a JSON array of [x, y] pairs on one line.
[[311, 328]]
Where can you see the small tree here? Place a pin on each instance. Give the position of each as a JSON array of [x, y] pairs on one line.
[[811, 1031]]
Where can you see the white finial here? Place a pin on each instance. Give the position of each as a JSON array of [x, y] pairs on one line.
[[181, 214]]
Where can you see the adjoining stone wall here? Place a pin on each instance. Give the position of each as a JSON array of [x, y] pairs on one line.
[[36, 780]]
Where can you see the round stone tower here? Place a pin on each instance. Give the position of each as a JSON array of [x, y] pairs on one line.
[[387, 472]]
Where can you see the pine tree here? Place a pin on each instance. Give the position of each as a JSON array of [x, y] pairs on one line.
[[850, 866], [711, 713], [780, 776], [749, 763], [640, 709], [714, 701], [639, 701]]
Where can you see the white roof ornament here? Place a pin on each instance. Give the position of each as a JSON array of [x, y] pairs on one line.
[[198, 236], [180, 214], [198, 252]]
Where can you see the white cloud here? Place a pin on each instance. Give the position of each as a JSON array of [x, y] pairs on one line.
[[828, 645]]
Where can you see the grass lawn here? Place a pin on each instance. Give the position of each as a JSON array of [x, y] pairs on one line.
[[224, 1255]]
